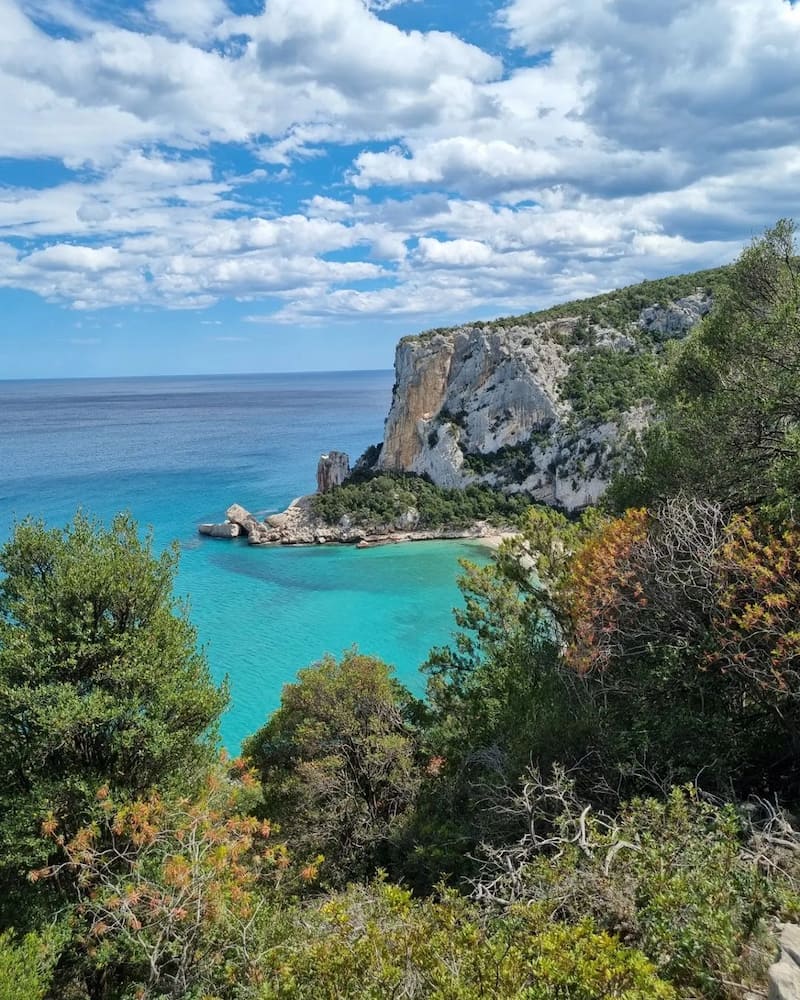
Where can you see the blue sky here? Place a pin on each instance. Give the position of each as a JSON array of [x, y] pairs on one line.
[[196, 186]]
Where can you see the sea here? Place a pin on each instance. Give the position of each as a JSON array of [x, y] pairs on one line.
[[176, 452]]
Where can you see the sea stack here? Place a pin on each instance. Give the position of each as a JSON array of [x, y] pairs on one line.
[[332, 470]]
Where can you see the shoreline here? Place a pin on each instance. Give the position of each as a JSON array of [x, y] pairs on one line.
[[299, 526]]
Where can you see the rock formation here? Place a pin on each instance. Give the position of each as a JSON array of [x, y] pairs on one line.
[[300, 525], [784, 975], [676, 318], [225, 530], [256, 531], [332, 470], [489, 402], [545, 404]]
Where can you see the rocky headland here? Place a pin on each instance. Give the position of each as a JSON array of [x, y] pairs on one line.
[[543, 405], [300, 525]]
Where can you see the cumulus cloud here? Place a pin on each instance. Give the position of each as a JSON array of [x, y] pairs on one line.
[[419, 174]]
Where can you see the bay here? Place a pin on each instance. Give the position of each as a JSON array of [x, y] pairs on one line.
[[177, 451]]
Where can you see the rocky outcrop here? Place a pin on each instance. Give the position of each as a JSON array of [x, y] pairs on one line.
[[546, 405], [332, 470], [225, 530], [256, 531], [784, 975], [299, 525], [490, 403], [676, 318]]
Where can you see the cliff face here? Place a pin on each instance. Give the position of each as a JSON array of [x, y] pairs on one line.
[[541, 406]]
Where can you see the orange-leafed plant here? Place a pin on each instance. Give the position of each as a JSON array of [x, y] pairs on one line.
[[173, 887], [602, 581], [756, 626]]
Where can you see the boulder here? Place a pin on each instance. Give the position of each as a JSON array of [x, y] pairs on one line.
[[257, 532], [332, 470], [226, 530], [784, 975]]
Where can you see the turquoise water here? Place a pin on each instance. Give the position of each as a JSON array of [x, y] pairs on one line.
[[176, 452]]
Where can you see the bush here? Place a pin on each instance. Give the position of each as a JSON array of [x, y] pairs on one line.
[[602, 383], [730, 421], [101, 682], [25, 967], [377, 942], [671, 877]]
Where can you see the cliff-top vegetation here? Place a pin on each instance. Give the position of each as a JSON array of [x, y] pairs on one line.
[[617, 309], [597, 798]]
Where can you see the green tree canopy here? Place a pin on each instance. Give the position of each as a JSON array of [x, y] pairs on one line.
[[731, 396], [338, 761], [101, 683]]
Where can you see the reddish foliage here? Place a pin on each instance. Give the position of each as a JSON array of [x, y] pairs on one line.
[[601, 578], [757, 626]]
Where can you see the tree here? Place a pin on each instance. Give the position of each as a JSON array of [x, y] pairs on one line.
[[731, 395], [101, 683], [339, 762], [684, 622]]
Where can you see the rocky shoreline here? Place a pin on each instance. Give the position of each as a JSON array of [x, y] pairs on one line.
[[299, 525]]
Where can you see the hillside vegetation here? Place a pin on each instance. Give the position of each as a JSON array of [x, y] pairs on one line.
[[385, 500], [618, 308], [597, 799]]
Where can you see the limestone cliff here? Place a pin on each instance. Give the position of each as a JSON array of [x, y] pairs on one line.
[[541, 404]]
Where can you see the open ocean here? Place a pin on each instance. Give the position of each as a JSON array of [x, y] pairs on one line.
[[178, 451]]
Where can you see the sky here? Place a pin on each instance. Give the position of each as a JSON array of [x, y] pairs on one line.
[[198, 186]]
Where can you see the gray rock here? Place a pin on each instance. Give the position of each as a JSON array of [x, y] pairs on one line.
[[226, 530], [257, 531], [784, 975], [790, 942], [496, 393], [332, 470], [675, 319]]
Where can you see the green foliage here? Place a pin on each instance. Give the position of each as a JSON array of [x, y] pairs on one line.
[[513, 462], [731, 395], [382, 501], [672, 877], [25, 966], [100, 680], [367, 460], [377, 942], [339, 763], [602, 383]]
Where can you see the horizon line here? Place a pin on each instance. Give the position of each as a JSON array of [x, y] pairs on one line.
[[98, 378]]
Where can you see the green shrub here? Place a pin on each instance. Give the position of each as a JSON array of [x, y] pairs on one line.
[[339, 763], [670, 877], [376, 942], [25, 965], [602, 383]]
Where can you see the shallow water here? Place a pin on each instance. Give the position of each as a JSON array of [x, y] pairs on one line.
[[176, 452]]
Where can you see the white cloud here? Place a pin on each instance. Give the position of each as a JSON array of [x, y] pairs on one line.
[[193, 19], [620, 140], [453, 253]]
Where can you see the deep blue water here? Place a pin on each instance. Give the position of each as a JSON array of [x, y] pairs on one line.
[[178, 451]]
